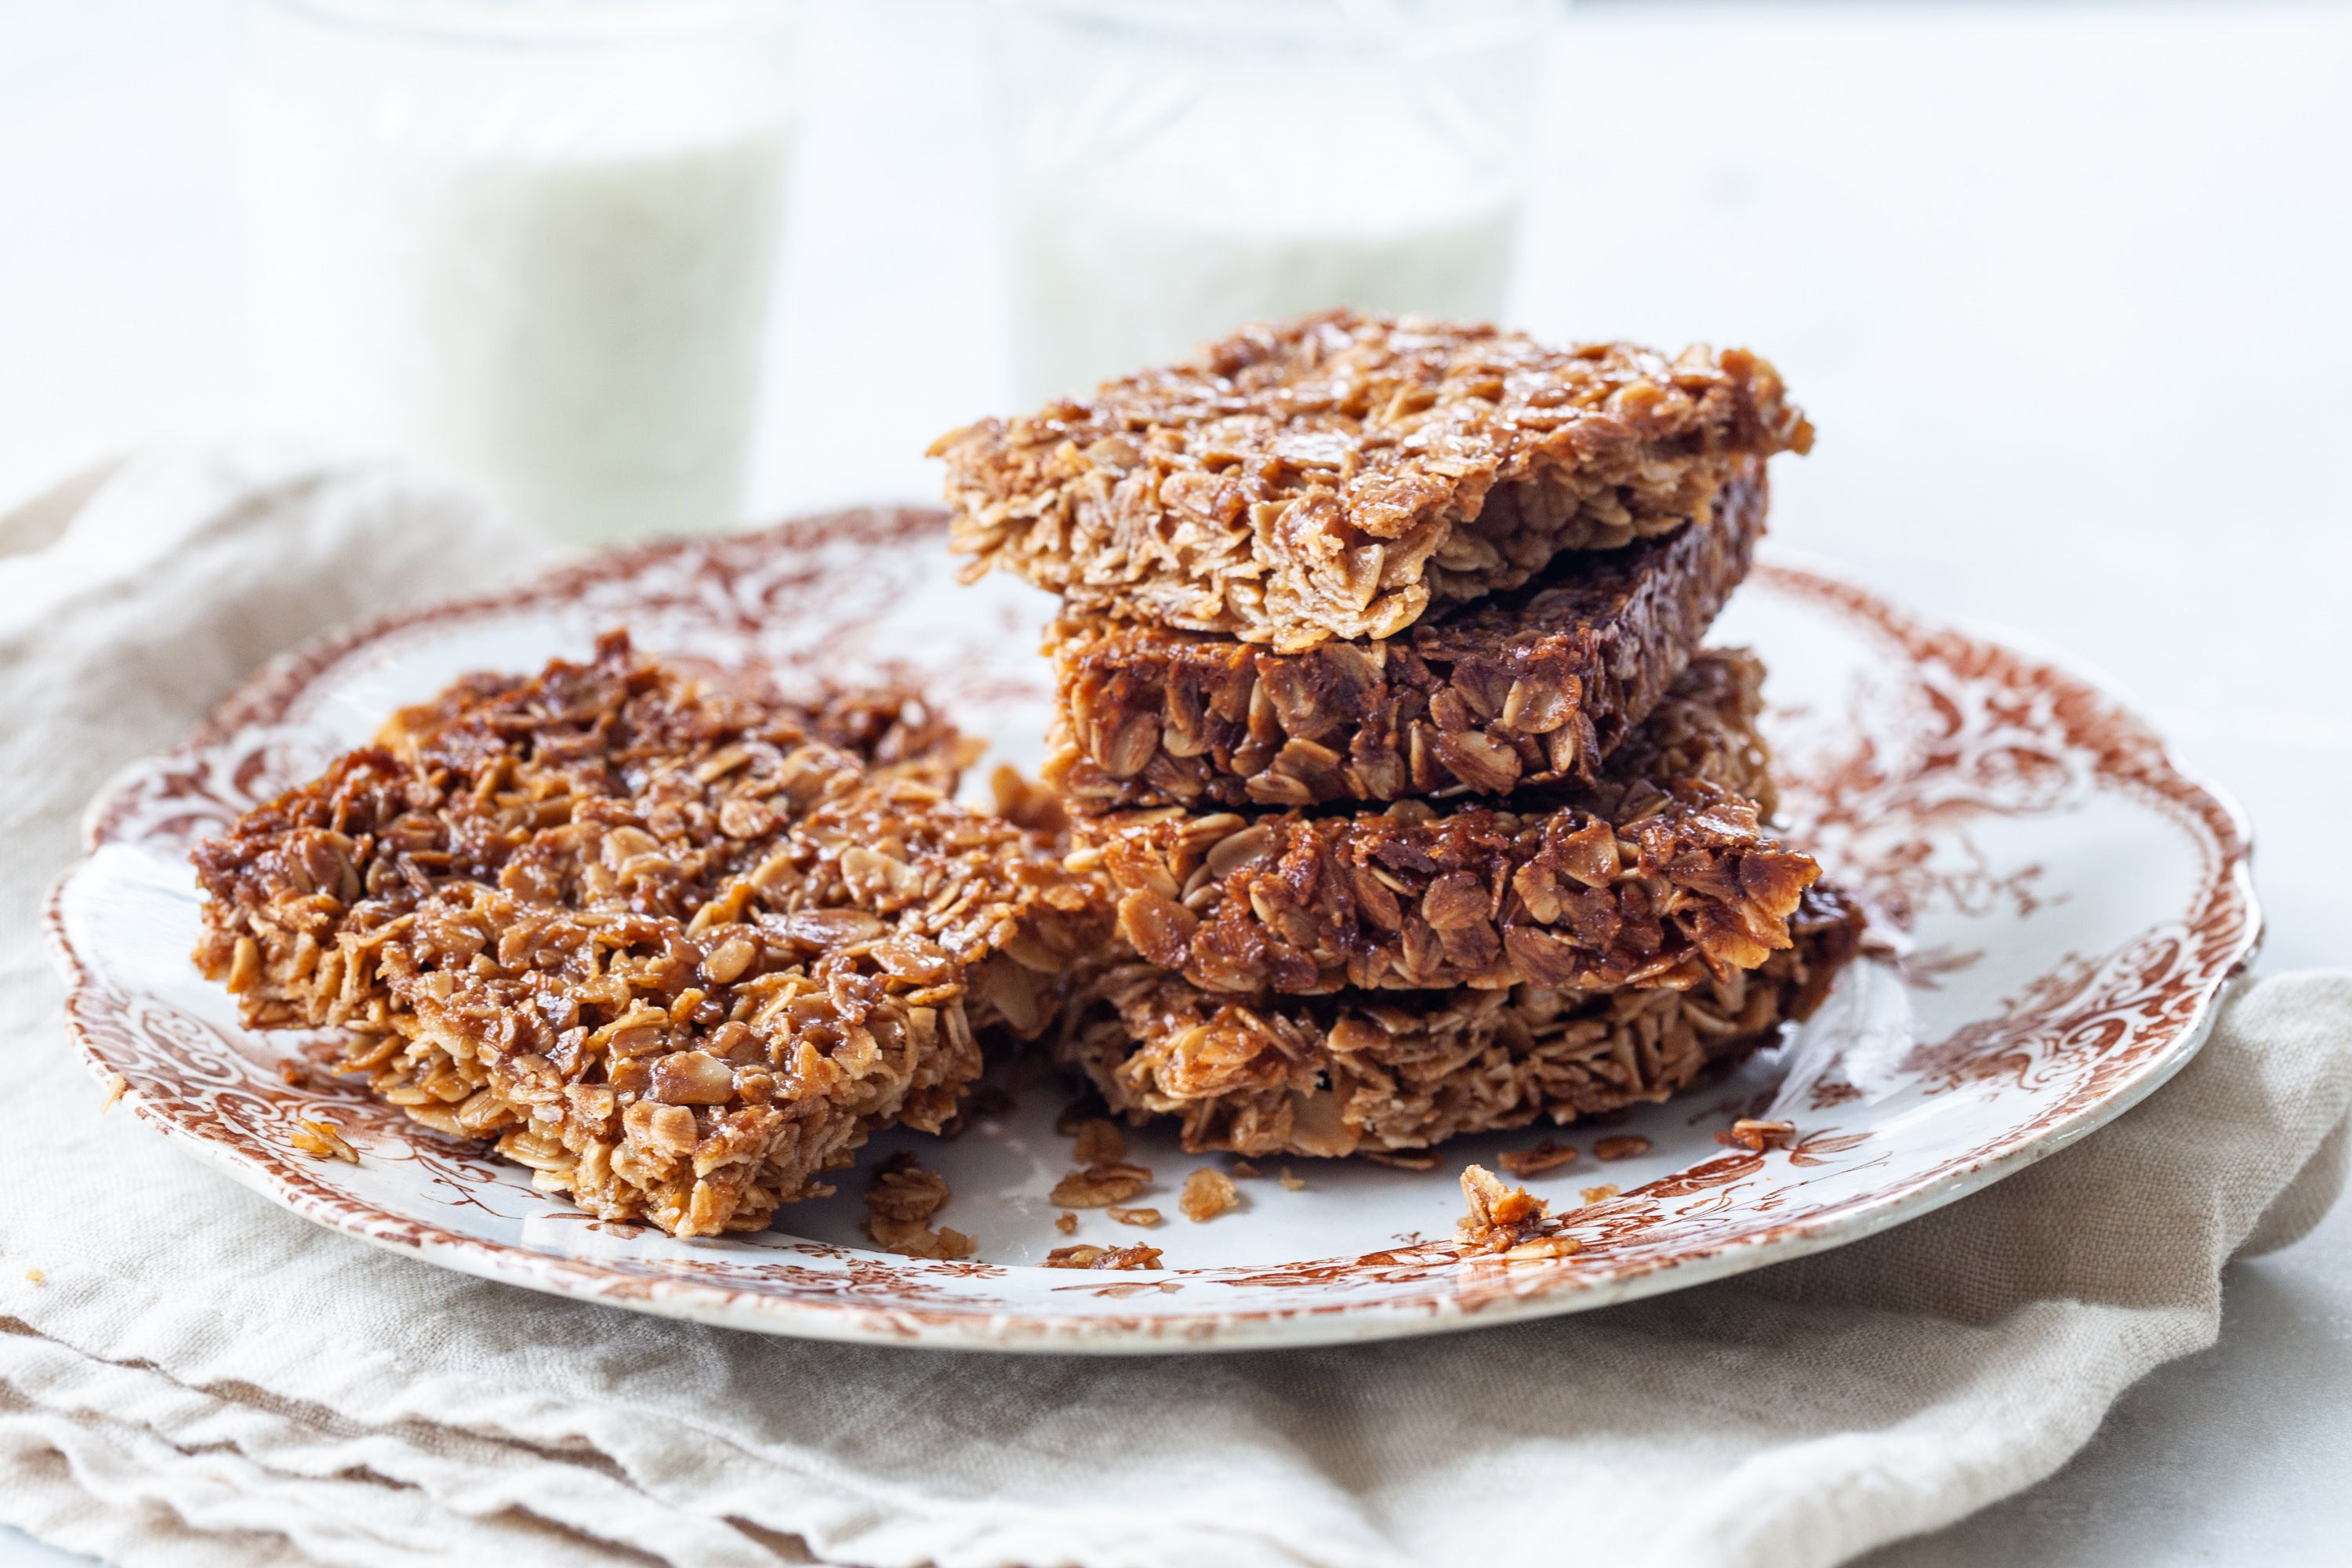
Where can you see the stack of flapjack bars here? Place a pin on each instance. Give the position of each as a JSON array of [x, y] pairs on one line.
[[1384, 710]]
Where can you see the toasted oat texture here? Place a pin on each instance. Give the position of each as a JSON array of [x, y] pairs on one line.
[[1703, 731], [891, 730], [1533, 689], [1340, 475], [1547, 1155], [1339, 1075], [1658, 875], [673, 950]]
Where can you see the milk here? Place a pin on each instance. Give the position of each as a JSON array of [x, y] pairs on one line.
[[1124, 257], [551, 277]]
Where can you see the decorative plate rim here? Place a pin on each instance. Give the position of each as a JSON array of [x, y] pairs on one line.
[[91, 1001]]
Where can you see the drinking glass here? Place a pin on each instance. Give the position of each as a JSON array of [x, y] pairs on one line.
[[1176, 168], [529, 241]]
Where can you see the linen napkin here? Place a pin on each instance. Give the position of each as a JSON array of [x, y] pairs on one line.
[[200, 1378]]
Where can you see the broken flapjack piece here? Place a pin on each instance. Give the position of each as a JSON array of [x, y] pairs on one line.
[[654, 933]]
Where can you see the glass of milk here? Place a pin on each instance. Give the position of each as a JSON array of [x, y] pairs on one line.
[[528, 241], [1179, 167]]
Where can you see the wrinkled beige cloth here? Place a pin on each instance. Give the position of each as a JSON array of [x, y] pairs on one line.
[[203, 1379]]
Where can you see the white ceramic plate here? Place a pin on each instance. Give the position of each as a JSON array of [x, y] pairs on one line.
[[2062, 906]]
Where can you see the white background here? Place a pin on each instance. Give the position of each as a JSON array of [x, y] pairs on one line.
[[2067, 289]]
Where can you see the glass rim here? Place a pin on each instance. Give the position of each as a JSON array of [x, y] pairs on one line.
[[555, 22], [1367, 24]]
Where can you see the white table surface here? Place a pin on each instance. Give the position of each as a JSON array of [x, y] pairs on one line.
[[2064, 287]]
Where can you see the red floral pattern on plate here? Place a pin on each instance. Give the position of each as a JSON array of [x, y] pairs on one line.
[[1950, 781]]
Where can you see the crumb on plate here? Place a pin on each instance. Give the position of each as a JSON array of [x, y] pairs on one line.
[[1099, 1186], [1086, 1255], [1548, 1156], [322, 1140], [1208, 1192], [900, 1204]]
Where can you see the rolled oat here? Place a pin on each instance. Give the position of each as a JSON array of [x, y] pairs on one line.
[[1208, 1192]]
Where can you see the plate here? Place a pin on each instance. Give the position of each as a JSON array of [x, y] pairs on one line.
[[2057, 908]]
